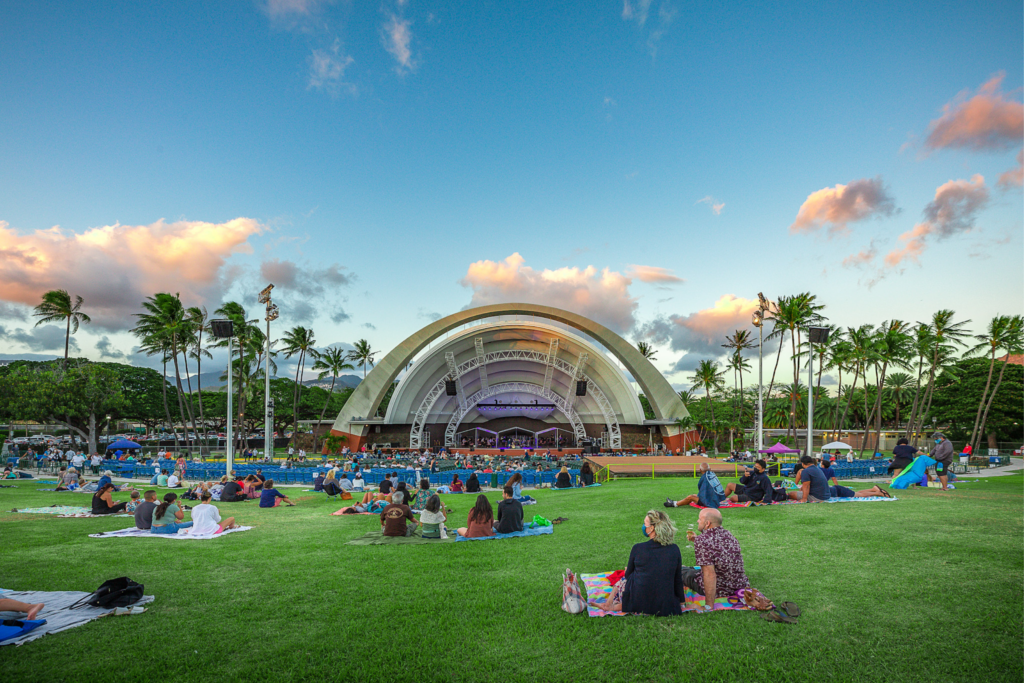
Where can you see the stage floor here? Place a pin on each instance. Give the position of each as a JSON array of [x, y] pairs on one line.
[[663, 463], [516, 452]]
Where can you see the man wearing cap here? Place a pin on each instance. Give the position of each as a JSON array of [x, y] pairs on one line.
[[943, 456]]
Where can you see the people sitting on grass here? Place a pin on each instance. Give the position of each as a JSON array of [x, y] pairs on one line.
[[319, 479], [710, 493], [107, 478], [480, 522], [516, 482], [174, 481], [68, 480], [422, 495], [754, 486], [344, 482], [456, 484], [473, 484], [902, 455], [586, 477], [358, 482], [433, 517], [386, 485], [168, 518], [271, 497], [826, 469], [206, 518], [252, 486], [103, 502], [652, 582], [31, 610], [231, 493], [134, 503], [144, 511], [721, 564], [562, 479], [396, 520], [510, 513], [401, 494], [161, 481], [814, 486], [330, 485]]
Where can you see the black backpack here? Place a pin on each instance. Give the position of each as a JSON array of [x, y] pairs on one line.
[[119, 592]]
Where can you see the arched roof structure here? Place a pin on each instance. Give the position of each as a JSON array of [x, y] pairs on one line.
[[528, 350]]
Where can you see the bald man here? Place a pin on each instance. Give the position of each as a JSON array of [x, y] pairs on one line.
[[718, 553], [709, 491]]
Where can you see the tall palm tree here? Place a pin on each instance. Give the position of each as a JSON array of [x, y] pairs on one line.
[[923, 340], [331, 361], [947, 336], [57, 305], [894, 346], [362, 354], [244, 329], [998, 336], [646, 350], [739, 342], [708, 377], [1014, 345], [152, 346], [199, 319], [792, 315], [899, 384], [858, 339], [298, 340]]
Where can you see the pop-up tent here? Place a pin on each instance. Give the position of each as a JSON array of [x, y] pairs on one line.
[[836, 445], [123, 444], [779, 448]]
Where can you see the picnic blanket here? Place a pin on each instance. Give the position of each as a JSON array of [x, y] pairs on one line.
[[342, 512], [599, 589], [529, 529], [377, 537], [570, 488], [869, 499], [64, 511], [181, 535], [56, 613]]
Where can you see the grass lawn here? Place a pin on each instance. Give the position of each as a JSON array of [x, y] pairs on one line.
[[925, 589]]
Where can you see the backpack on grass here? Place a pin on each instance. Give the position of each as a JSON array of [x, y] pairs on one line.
[[119, 592]]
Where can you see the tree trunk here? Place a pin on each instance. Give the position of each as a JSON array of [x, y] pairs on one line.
[[928, 391], [742, 406], [984, 417], [199, 380], [191, 406], [917, 393], [984, 395], [67, 342], [796, 378], [777, 357], [167, 409], [295, 398], [177, 383], [878, 404], [323, 412], [714, 427]]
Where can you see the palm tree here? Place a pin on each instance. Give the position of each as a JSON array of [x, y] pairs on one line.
[[946, 335], [1014, 345], [792, 314], [646, 350], [197, 315], [298, 340], [686, 396], [894, 346], [331, 361], [244, 331], [57, 305], [999, 336], [856, 352], [708, 377], [739, 341], [923, 340], [898, 383], [362, 354], [152, 346]]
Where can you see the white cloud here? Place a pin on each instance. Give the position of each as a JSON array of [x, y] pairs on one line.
[[653, 274], [716, 207], [701, 333], [397, 39], [327, 68], [44, 338]]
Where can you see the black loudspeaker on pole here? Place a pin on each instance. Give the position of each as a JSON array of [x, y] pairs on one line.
[[581, 387], [449, 387]]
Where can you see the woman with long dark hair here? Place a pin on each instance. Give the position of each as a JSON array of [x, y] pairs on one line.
[[586, 477], [481, 520], [516, 482], [167, 517], [473, 484], [422, 495], [103, 503]]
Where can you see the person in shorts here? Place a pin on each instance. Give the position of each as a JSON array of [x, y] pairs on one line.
[[943, 457]]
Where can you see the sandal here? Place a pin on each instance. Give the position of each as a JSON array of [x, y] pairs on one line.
[[790, 608], [775, 615], [884, 492]]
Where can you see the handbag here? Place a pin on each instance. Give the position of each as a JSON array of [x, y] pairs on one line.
[[119, 592], [572, 598]]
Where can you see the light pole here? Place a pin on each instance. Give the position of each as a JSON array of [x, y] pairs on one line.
[[225, 329], [763, 306], [815, 335], [268, 405]]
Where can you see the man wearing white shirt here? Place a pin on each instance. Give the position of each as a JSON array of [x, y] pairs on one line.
[[78, 460], [95, 461], [173, 481]]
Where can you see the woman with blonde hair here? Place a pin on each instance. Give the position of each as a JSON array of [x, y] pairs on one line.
[[653, 581], [562, 479]]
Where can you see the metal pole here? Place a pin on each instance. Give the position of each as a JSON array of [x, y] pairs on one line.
[[230, 443], [810, 397], [760, 386], [268, 428]]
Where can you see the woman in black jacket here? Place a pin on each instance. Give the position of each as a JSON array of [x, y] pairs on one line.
[[563, 480], [586, 477], [653, 583]]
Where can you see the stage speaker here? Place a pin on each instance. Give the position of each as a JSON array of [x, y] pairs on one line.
[[581, 387], [449, 387]]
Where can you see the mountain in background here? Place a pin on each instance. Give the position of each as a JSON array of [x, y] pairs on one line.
[[211, 382]]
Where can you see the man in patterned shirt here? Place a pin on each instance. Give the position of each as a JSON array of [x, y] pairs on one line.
[[718, 553]]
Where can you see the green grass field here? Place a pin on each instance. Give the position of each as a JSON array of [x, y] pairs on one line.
[[925, 589]]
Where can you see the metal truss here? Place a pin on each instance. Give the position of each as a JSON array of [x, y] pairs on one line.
[[513, 387], [549, 371], [545, 358], [479, 344], [570, 395], [454, 369]]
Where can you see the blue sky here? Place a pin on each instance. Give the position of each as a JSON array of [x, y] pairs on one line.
[[378, 150]]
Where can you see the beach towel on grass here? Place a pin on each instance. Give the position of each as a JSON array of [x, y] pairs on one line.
[[342, 512], [599, 589], [870, 499], [64, 511], [377, 537], [56, 613], [181, 535], [529, 529], [569, 488]]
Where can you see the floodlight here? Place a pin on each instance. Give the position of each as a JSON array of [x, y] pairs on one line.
[[222, 329], [763, 302], [272, 312], [757, 320], [265, 294]]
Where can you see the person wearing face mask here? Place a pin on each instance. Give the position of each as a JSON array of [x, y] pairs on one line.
[[721, 564], [943, 456], [653, 580], [754, 486]]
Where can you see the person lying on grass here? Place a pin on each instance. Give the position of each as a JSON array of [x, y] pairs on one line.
[[480, 522], [652, 582], [168, 517], [510, 513], [271, 497], [710, 493], [103, 503], [433, 517], [838, 491], [754, 486], [206, 518], [31, 611], [721, 564]]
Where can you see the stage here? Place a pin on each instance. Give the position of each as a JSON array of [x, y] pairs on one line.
[[664, 464], [516, 452]]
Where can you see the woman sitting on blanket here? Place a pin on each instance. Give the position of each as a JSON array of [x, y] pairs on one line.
[[653, 582], [516, 482], [167, 517], [401, 494], [433, 517], [68, 480], [563, 480], [473, 484], [252, 486], [103, 503], [206, 518], [456, 484], [481, 520], [271, 497], [422, 495], [586, 477]]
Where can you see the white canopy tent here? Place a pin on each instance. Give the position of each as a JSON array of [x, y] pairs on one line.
[[836, 445]]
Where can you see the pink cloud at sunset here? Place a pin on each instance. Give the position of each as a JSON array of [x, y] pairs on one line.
[[1015, 176], [952, 212], [115, 267], [653, 274], [838, 206], [987, 121]]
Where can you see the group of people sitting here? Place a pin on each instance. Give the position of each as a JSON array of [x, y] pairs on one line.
[[166, 517], [397, 517]]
